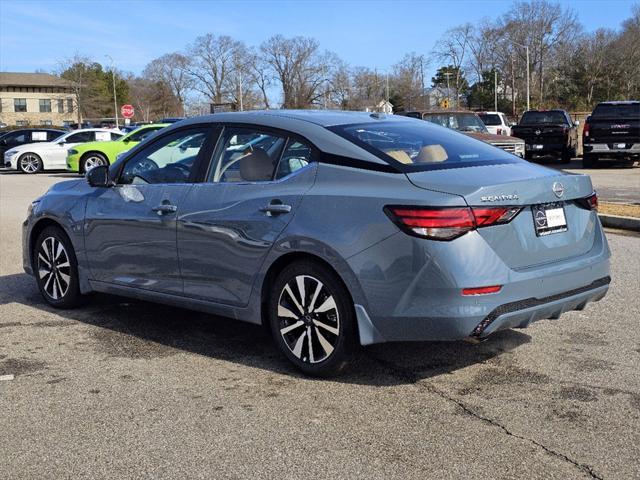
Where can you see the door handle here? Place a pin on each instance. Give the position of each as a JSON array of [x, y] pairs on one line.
[[276, 209], [165, 208]]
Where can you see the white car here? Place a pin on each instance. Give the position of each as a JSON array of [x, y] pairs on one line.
[[35, 157], [496, 122]]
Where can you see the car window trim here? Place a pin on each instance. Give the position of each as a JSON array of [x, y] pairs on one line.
[[195, 170]]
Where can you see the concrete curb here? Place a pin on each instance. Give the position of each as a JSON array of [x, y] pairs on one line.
[[618, 221]]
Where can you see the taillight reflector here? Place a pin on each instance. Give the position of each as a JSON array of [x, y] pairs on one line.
[[481, 290]]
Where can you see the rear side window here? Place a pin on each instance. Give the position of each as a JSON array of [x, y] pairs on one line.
[[139, 135], [417, 145], [246, 155], [297, 155], [617, 110]]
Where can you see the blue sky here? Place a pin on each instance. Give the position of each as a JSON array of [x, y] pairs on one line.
[[37, 34]]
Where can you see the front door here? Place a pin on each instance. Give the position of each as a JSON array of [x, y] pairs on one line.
[[228, 224], [130, 229]]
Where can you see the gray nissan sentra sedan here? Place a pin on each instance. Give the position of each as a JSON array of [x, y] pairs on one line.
[[331, 228]]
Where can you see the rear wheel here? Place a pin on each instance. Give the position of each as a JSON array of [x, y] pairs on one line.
[[29, 163], [312, 317], [56, 268], [589, 160], [91, 160]]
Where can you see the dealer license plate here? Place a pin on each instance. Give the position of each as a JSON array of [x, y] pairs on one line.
[[549, 218]]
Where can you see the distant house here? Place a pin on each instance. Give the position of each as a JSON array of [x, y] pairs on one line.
[[36, 99], [384, 107]]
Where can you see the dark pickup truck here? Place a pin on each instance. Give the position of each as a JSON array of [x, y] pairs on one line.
[[547, 132], [612, 131]]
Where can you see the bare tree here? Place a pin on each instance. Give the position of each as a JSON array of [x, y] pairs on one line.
[[75, 69], [298, 66], [213, 62], [408, 80], [453, 48], [173, 70]]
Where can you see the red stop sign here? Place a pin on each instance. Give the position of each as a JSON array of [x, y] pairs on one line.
[[127, 111]]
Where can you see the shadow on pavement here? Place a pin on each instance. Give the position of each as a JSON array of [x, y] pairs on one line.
[[137, 329]]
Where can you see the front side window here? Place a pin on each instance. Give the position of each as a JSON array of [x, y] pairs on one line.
[[418, 145], [20, 104], [81, 137], [169, 160], [246, 155], [45, 105], [52, 135]]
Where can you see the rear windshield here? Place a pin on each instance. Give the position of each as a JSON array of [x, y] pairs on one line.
[[490, 119], [613, 110], [415, 145], [538, 118]]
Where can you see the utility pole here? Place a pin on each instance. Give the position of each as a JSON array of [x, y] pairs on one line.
[[495, 89], [115, 99], [448, 74], [526, 47]]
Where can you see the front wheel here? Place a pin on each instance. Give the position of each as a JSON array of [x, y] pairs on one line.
[[30, 163], [92, 160], [56, 268], [312, 317]]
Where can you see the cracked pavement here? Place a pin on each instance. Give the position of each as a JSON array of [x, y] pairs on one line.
[[127, 389]]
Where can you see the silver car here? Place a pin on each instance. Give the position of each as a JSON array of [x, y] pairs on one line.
[[331, 228]]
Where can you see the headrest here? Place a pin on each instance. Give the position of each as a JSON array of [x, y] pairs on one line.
[[431, 154], [400, 155], [256, 166]]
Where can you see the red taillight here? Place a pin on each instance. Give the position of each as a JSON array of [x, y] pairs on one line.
[[593, 201], [449, 222], [481, 290], [585, 129]]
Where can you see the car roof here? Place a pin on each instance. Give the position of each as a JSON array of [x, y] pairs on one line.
[[324, 118], [620, 102], [96, 129]]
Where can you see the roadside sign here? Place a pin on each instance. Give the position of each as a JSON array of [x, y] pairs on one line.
[[127, 111]]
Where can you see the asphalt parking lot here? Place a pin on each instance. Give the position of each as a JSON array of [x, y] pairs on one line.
[[125, 389]]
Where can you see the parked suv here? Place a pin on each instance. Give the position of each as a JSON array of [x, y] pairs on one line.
[[496, 122], [548, 132], [612, 131], [470, 124]]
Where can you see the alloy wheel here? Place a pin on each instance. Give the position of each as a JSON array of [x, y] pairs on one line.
[[29, 163], [308, 318], [54, 268], [92, 162]]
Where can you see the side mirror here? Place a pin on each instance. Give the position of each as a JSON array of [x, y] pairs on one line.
[[3, 142], [512, 124], [99, 177]]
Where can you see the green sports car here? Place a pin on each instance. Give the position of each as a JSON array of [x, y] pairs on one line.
[[88, 155]]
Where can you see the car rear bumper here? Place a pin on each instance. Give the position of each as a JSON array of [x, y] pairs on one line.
[[419, 297], [530, 147], [611, 149]]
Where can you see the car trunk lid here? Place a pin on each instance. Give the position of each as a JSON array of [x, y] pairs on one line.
[[525, 185]]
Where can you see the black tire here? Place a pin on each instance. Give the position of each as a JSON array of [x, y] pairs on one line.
[[322, 342], [589, 160], [52, 284], [30, 163], [92, 159]]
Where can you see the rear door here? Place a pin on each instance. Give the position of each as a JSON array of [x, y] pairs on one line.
[[229, 223]]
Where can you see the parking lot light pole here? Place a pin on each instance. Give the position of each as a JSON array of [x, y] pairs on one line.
[[115, 100]]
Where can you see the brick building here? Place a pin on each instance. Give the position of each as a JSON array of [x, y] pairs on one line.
[[36, 99]]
